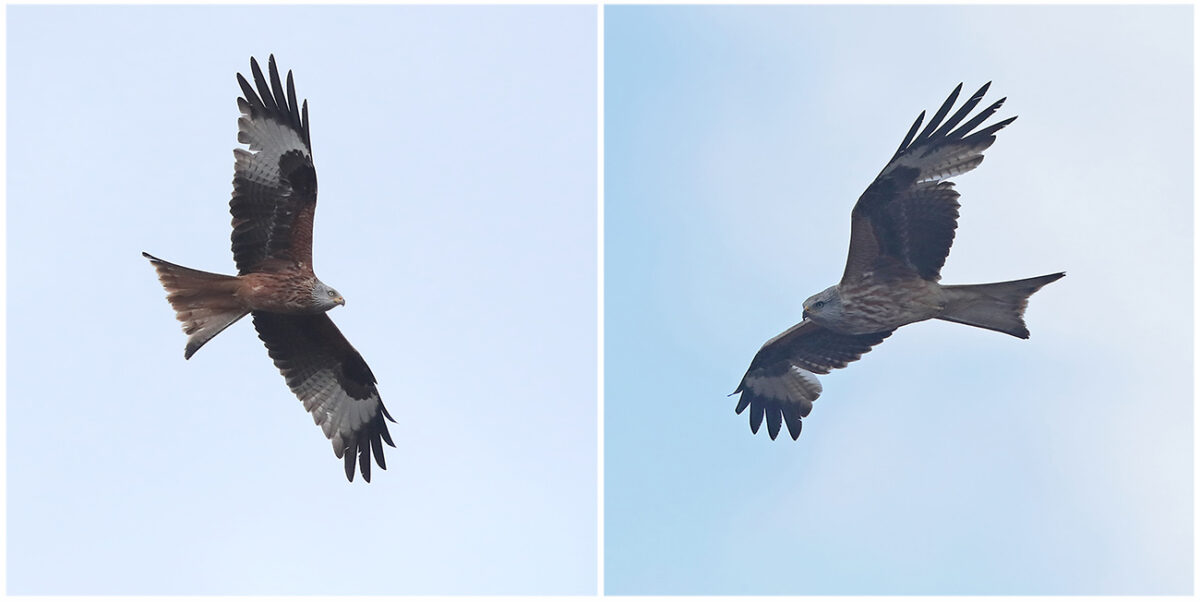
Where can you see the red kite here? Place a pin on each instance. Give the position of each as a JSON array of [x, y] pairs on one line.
[[901, 230], [274, 198]]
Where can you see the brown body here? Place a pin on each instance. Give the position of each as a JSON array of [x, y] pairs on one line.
[[909, 300], [207, 303], [258, 291]]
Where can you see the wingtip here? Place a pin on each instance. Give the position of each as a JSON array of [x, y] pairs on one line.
[[364, 463], [742, 404], [1048, 278]]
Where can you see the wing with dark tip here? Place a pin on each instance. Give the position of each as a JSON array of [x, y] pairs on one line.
[[333, 381], [274, 182], [907, 216], [781, 383]]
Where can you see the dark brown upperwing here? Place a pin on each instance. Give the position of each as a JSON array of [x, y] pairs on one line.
[[780, 382], [909, 213], [333, 381], [274, 182]]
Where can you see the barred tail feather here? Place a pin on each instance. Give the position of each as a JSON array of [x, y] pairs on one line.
[[998, 306], [204, 302]]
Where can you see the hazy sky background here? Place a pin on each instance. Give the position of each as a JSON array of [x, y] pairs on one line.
[[949, 460], [456, 151]]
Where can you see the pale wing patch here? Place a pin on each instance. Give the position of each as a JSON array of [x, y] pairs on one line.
[[942, 162], [269, 137], [269, 140], [796, 385], [340, 416]]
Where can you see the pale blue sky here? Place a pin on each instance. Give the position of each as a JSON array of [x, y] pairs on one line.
[[456, 151], [949, 459]]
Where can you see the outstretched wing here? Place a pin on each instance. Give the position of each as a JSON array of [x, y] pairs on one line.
[[274, 183], [333, 381], [781, 383], [907, 216]]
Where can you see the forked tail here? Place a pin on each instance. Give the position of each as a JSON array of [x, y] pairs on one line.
[[998, 306], [204, 302]]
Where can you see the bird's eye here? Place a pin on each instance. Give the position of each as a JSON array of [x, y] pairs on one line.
[[332, 294], [819, 304]]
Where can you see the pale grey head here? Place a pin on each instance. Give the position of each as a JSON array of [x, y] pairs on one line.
[[325, 297], [825, 308]]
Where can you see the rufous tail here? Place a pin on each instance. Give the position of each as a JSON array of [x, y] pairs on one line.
[[998, 306], [204, 302]]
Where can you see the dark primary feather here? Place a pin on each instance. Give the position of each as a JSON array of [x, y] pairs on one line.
[[937, 117], [910, 212], [274, 183], [333, 381], [805, 346]]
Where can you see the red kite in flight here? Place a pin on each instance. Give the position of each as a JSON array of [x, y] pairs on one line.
[[901, 230], [274, 197]]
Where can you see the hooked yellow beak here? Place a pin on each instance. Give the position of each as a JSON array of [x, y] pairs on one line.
[[340, 301]]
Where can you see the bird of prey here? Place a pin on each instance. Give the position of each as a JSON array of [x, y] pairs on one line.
[[901, 230], [274, 198]]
